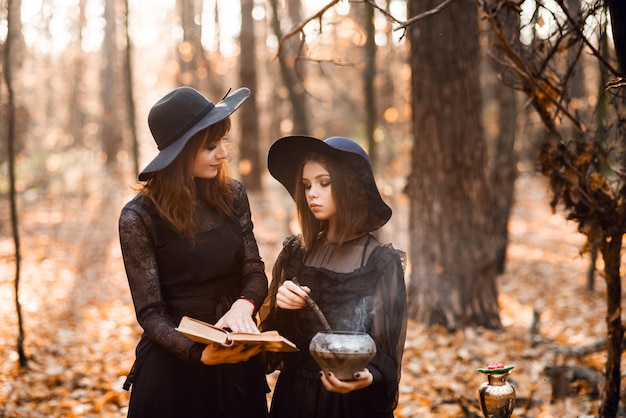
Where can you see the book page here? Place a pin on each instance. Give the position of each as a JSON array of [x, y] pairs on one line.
[[206, 333]]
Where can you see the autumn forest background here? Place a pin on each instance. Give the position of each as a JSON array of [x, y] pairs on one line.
[[496, 131]]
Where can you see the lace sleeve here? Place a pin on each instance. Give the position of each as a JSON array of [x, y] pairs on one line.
[[285, 268], [135, 231], [390, 318], [253, 269]]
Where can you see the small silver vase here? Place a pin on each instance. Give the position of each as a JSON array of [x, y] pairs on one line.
[[497, 396]]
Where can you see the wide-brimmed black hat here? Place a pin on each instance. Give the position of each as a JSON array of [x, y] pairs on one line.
[[287, 154], [179, 115]]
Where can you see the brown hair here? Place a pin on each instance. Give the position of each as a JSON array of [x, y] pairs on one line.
[[173, 188], [350, 198]]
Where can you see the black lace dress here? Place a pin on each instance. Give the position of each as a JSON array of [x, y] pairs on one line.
[[170, 277], [359, 286]]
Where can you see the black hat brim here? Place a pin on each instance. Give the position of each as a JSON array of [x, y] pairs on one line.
[[287, 154], [224, 108]]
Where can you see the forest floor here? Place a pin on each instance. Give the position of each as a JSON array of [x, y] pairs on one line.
[[80, 329]]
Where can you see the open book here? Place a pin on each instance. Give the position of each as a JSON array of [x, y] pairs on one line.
[[206, 333]]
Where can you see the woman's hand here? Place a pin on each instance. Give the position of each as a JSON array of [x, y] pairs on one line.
[[362, 379], [239, 318], [218, 354], [291, 296]]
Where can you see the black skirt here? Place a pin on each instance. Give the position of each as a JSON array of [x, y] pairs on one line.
[[300, 394], [166, 386]]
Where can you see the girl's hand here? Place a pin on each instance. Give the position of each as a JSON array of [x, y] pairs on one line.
[[362, 379], [239, 318], [218, 354], [291, 296]]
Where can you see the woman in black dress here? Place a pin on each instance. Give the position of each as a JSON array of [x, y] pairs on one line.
[[189, 249], [357, 282]]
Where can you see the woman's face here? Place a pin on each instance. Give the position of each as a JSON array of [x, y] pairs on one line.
[[208, 160], [318, 191]]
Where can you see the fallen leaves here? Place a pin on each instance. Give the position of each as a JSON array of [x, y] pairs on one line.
[[81, 330]]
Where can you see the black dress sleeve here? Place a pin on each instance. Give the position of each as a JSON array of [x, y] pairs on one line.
[[389, 320], [137, 234], [253, 269], [285, 267]]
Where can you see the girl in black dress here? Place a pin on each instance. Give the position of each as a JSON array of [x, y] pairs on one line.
[[189, 249], [357, 282]]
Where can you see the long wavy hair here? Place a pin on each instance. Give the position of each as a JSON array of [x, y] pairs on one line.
[[350, 199], [174, 188]]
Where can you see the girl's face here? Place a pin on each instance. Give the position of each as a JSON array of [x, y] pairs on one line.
[[208, 160], [318, 191]]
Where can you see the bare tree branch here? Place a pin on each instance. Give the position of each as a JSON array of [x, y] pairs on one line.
[[424, 15], [380, 9], [527, 75], [299, 28], [589, 45]]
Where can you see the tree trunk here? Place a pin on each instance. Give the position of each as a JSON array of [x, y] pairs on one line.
[[611, 247], [129, 92], [369, 75], [451, 228], [187, 52], [611, 253], [577, 84], [111, 133], [78, 117], [617, 8], [9, 63], [249, 157], [504, 158], [292, 78]]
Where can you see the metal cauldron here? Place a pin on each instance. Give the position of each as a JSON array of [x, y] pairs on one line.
[[342, 353]]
